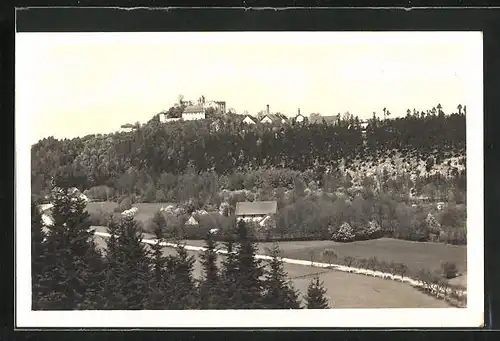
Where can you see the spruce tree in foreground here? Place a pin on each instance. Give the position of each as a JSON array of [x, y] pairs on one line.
[[229, 276], [278, 290], [316, 293], [128, 267], [249, 269], [210, 284], [112, 298], [38, 257], [160, 292], [182, 283], [74, 265]]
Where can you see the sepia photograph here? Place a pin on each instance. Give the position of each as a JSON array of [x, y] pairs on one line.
[[239, 179]]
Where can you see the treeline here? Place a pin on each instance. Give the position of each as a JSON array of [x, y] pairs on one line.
[[174, 148], [337, 211], [70, 272]]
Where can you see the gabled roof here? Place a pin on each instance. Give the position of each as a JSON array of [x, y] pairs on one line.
[[272, 117], [193, 109], [256, 208], [248, 116], [327, 119]]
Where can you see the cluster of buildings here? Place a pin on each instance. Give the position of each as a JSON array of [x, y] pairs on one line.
[[199, 111]]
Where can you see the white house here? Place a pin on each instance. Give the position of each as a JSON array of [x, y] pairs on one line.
[[194, 112], [299, 118], [257, 211], [165, 119], [248, 120]]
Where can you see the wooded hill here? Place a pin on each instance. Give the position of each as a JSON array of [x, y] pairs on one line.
[[132, 161]]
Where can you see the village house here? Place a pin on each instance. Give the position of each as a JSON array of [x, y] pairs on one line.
[[299, 118], [258, 211], [248, 120], [267, 119], [329, 120], [193, 112], [127, 127]]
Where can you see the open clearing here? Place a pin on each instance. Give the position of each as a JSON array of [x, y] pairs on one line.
[[345, 290], [145, 210]]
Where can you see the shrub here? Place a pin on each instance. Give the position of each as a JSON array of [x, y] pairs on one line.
[[348, 260], [344, 234], [449, 270]]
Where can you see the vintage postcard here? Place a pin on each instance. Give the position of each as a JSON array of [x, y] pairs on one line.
[[249, 179]]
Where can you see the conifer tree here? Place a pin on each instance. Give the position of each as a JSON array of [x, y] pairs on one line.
[[182, 283], [112, 298], [159, 291], [279, 292], [229, 276], [74, 265], [210, 285], [128, 267], [316, 293], [249, 269], [38, 257]]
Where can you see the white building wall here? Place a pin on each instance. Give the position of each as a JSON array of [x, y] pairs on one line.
[[248, 120], [251, 218], [193, 116], [266, 120]]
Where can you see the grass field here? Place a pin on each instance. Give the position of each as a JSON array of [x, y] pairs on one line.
[[145, 210], [346, 290], [416, 255]]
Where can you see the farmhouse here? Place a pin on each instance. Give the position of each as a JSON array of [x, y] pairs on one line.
[[193, 112], [248, 120], [257, 211]]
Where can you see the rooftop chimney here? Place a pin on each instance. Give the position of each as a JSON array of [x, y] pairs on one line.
[[298, 112], [267, 110]]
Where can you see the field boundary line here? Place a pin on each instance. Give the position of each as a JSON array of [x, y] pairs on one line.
[[436, 290]]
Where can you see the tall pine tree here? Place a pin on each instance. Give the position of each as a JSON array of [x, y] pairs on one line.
[[229, 276], [210, 285], [249, 269], [128, 267], [74, 265], [160, 290], [316, 295], [182, 283], [38, 257], [278, 290]]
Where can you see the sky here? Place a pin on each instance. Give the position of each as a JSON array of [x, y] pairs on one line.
[[74, 84]]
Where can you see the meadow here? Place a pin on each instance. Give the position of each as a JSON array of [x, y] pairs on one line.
[[415, 255], [344, 290]]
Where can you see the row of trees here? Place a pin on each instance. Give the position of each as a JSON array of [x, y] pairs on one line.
[[174, 148], [70, 272]]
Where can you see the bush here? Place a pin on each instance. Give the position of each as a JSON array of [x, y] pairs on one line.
[[344, 234], [349, 261], [449, 270]]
